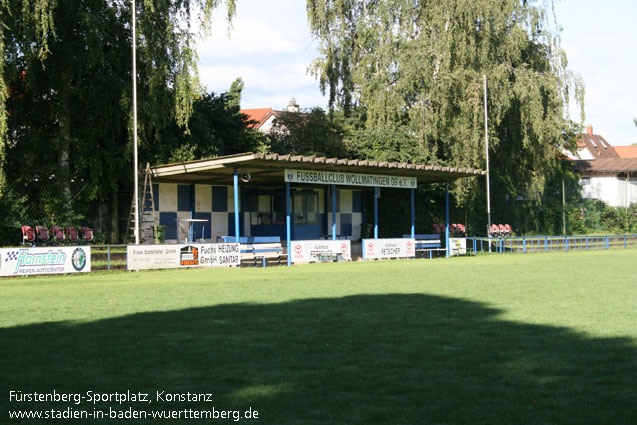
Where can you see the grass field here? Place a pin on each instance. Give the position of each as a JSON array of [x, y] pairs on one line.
[[493, 339]]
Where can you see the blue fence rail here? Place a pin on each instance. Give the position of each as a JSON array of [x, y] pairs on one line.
[[551, 243]]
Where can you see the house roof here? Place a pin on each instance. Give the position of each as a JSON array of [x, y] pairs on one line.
[[606, 165], [596, 145], [269, 169], [626, 151], [258, 115]]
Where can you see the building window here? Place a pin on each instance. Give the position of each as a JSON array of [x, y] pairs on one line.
[[270, 209], [306, 207]]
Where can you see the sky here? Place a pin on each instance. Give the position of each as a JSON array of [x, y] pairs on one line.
[[270, 47]]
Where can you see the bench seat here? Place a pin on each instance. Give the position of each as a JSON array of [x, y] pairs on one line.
[[259, 249], [427, 243]]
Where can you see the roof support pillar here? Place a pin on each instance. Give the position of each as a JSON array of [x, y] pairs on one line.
[[236, 205], [288, 235], [413, 215], [334, 212], [191, 230], [447, 220], [376, 196]]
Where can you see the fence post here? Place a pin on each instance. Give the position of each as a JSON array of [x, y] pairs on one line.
[[624, 241], [524, 244], [606, 242], [108, 258]]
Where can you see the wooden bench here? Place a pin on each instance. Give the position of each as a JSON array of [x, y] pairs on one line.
[[427, 243], [255, 248]]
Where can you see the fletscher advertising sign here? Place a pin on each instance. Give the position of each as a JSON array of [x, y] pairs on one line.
[[44, 260], [320, 250], [145, 257], [377, 249]]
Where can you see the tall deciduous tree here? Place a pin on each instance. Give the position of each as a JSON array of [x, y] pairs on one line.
[[73, 58], [413, 71], [66, 88]]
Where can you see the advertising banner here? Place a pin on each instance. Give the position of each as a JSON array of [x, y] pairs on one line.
[[458, 246], [210, 255], [44, 260], [377, 249], [317, 250], [145, 257], [349, 179]]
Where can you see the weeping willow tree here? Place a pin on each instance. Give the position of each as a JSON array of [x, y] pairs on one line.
[[413, 71], [65, 100], [75, 56]]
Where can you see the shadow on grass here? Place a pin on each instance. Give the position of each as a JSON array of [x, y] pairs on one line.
[[377, 359]]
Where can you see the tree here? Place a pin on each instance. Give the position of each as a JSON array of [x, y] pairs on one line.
[[216, 128], [412, 71], [308, 133], [65, 89]]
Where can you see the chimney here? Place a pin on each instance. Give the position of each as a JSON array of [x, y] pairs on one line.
[[589, 130], [293, 106]]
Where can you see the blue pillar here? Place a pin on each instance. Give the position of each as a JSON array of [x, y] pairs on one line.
[[375, 213], [288, 234], [236, 205], [447, 219], [334, 212], [413, 215], [191, 230]]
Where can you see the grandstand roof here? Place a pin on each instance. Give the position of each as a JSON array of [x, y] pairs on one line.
[[269, 169]]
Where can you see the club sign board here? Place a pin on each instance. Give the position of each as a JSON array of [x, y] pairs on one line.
[[378, 249], [145, 257], [349, 179], [313, 250], [26, 261]]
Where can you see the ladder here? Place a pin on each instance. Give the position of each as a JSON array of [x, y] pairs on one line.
[[148, 219]]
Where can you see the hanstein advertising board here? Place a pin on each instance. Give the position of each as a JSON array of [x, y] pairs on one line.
[[145, 257], [378, 249], [314, 250], [45, 260]]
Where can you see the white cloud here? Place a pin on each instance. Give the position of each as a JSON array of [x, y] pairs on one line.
[[270, 48]]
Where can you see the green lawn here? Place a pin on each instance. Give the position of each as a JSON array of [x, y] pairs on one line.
[[493, 339]]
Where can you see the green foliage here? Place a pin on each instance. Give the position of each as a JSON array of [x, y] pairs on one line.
[[66, 79], [11, 212], [412, 72], [65, 99], [216, 128], [594, 216], [309, 133]]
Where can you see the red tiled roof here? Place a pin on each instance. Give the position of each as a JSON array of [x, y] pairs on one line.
[[626, 151], [259, 115]]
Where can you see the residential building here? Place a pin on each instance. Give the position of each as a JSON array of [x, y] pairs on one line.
[[607, 173]]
